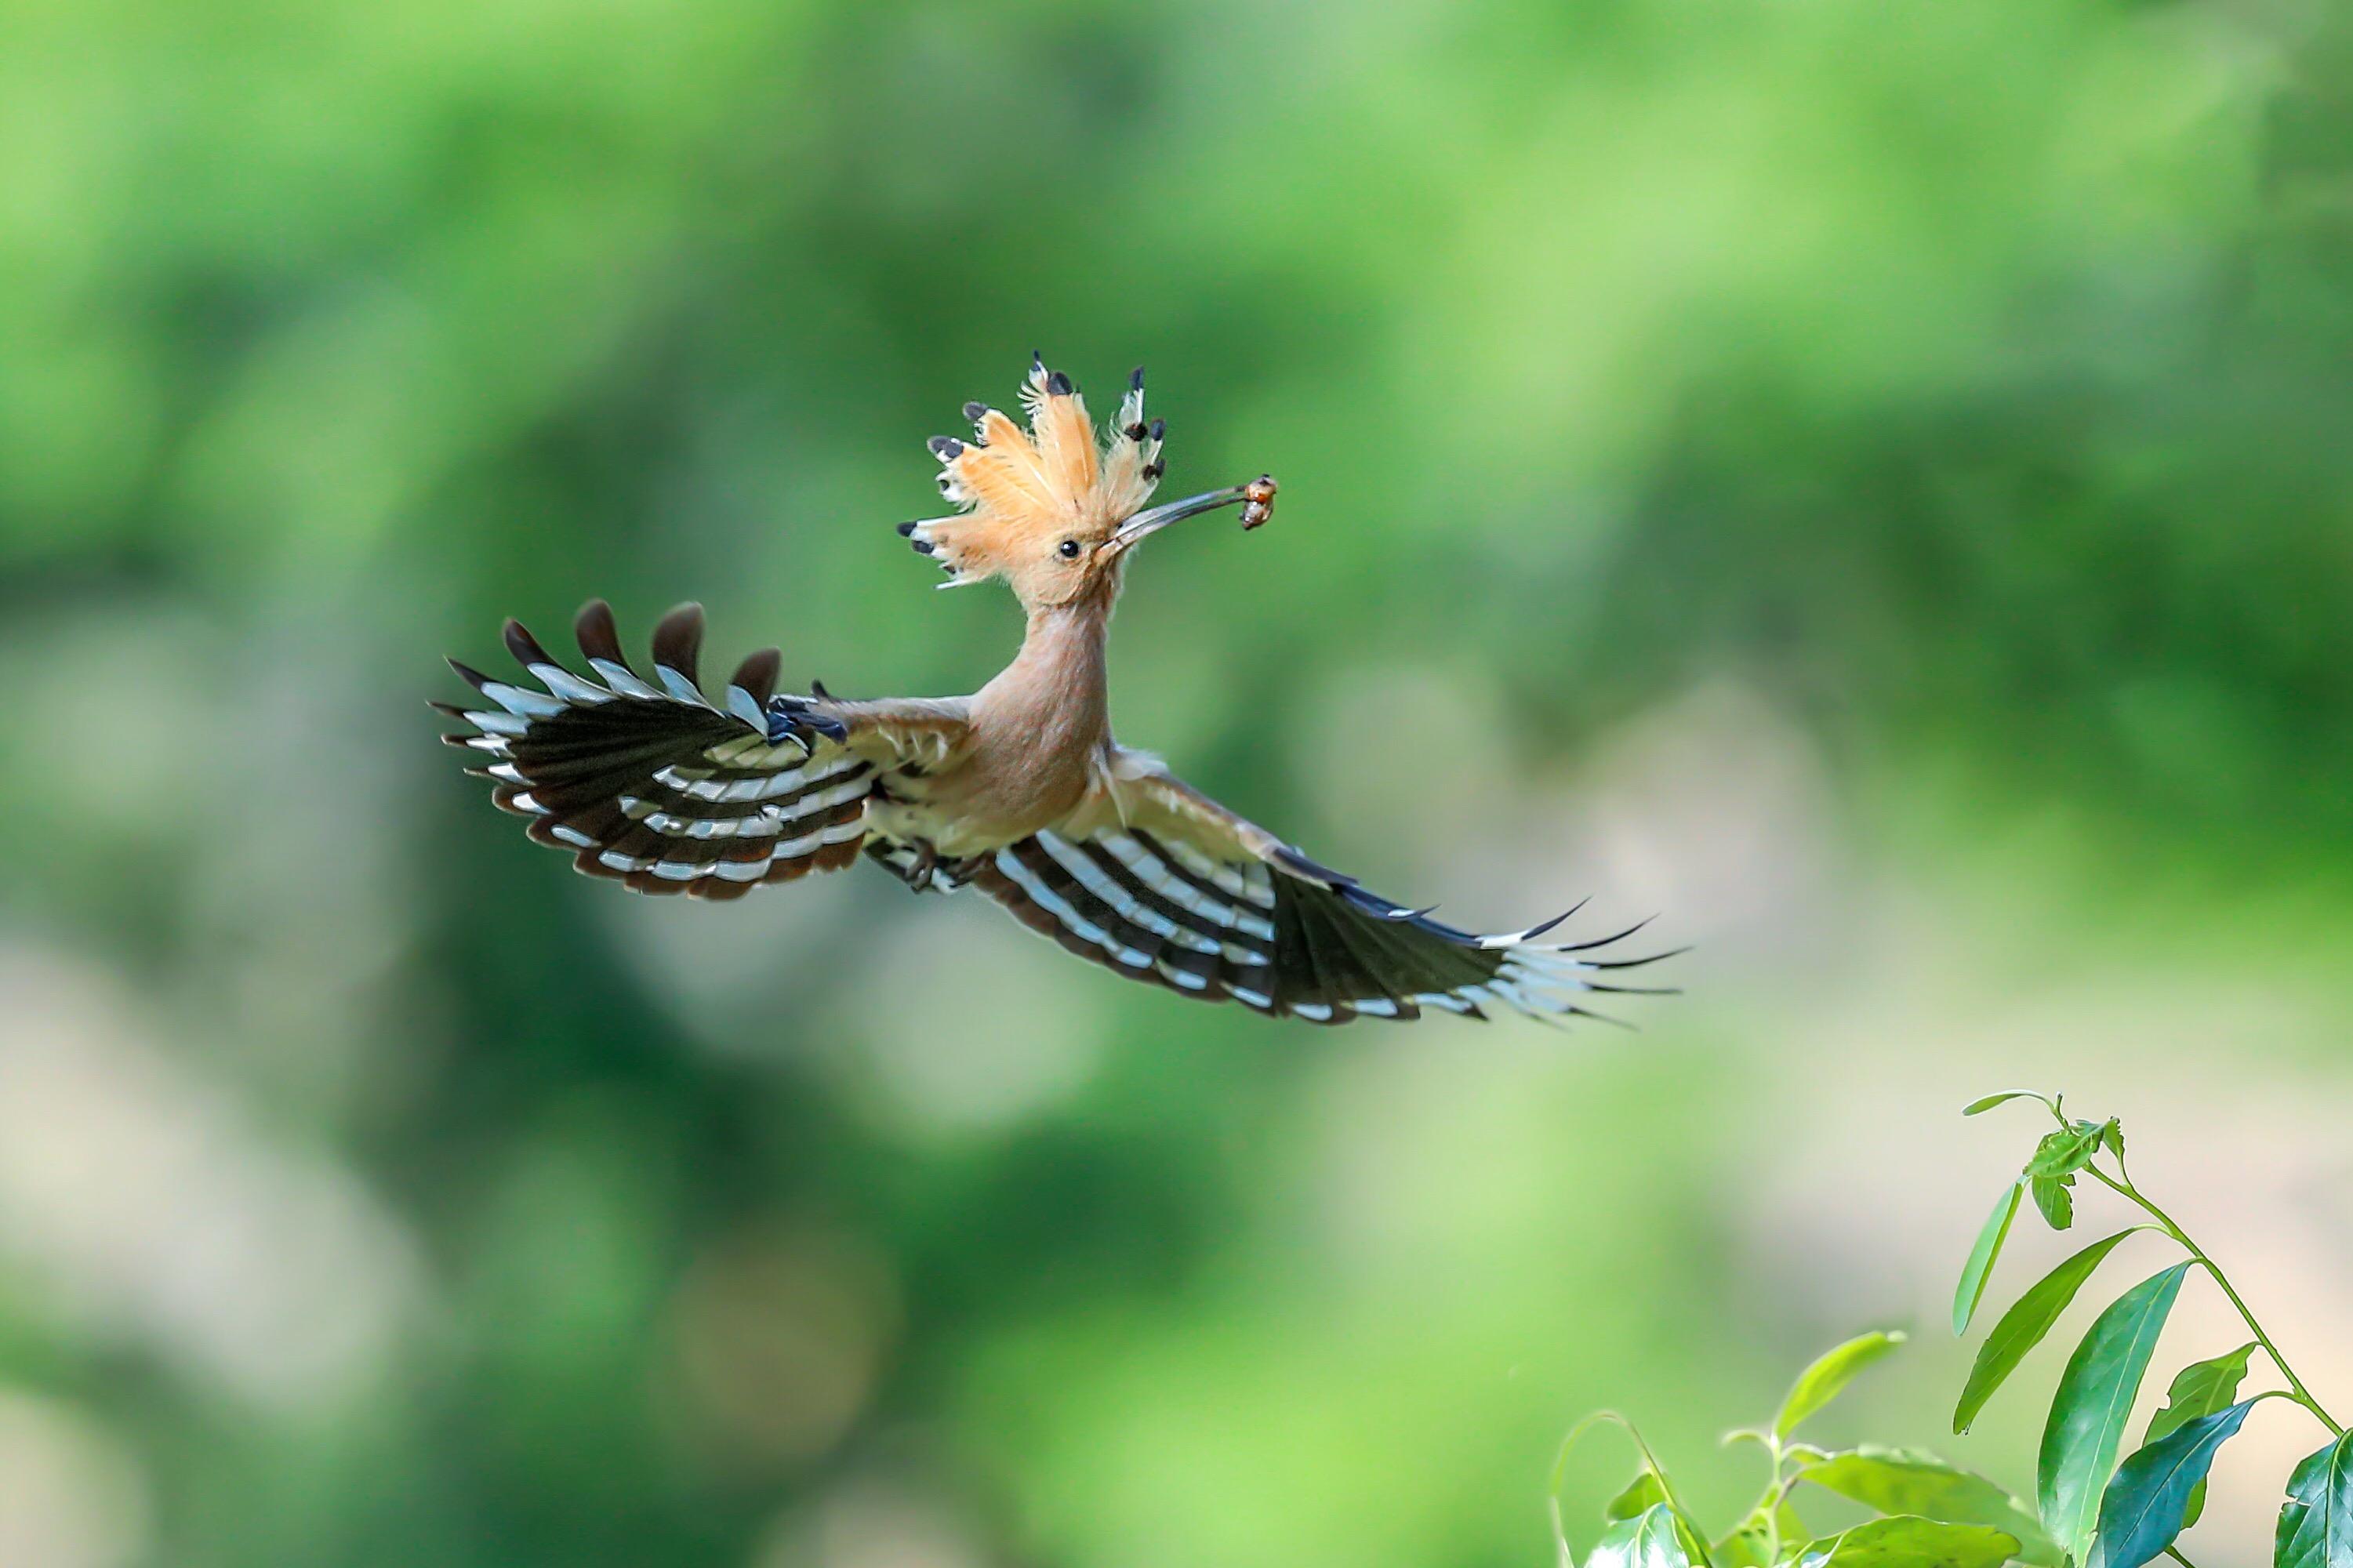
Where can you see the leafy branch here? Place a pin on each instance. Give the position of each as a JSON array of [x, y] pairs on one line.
[[2090, 1508]]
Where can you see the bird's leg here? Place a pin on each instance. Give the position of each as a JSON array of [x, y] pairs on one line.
[[929, 871]]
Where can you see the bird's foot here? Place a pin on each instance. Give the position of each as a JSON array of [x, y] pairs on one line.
[[919, 863], [799, 720]]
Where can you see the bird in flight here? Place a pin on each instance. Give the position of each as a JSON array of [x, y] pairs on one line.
[[1017, 789]]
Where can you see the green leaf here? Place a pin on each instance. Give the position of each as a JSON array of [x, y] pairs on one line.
[[1747, 1546], [2064, 1152], [1912, 1481], [2199, 1389], [2113, 1135], [1975, 1107], [1644, 1491], [1655, 1537], [2051, 1196], [2316, 1524], [1909, 1542], [2094, 1399], [2050, 1173], [1749, 1543], [2023, 1327], [2142, 1509], [1819, 1384], [1560, 1467], [1979, 1268]]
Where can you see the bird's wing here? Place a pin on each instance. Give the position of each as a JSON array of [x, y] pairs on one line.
[[658, 785], [1158, 882], [919, 734]]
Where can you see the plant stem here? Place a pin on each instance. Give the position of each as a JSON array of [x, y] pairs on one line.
[[2296, 1390], [2177, 1556], [1779, 1495]]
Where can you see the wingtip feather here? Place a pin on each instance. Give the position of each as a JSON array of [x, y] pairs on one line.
[[677, 640], [599, 637], [522, 645]]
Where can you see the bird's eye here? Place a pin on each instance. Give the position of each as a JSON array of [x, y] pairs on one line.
[[1070, 549]]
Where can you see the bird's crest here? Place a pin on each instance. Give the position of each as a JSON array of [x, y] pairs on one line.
[[1035, 505]]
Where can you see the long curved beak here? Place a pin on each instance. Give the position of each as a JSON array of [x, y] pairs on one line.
[[1145, 523]]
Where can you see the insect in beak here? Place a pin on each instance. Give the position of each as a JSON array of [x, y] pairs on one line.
[[1257, 500]]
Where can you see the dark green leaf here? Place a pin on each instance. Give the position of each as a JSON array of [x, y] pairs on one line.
[[1907, 1540], [2199, 1389], [1819, 1384], [2023, 1327], [1975, 1106], [1979, 1268], [2141, 1512], [2094, 1399], [1911, 1481], [2051, 1196], [2316, 1524], [1655, 1537], [1640, 1493]]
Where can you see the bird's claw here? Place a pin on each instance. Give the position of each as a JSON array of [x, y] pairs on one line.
[[798, 719]]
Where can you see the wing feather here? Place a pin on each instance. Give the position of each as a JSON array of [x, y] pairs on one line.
[[656, 784], [1166, 885]]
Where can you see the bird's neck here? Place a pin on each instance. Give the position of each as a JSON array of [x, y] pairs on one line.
[[1056, 687]]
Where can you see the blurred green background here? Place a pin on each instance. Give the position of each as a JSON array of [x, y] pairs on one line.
[[1871, 483]]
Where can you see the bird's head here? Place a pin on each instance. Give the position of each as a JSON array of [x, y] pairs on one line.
[[1052, 510]]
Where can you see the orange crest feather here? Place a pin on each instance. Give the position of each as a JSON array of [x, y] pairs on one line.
[[1022, 492]]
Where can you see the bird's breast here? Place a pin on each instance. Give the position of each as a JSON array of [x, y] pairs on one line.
[[994, 794]]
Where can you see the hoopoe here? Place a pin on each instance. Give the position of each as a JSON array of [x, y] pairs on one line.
[[1018, 789]]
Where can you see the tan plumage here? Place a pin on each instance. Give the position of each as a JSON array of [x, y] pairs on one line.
[[1018, 789]]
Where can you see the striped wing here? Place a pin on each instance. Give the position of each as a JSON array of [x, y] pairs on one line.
[[652, 782], [1182, 892]]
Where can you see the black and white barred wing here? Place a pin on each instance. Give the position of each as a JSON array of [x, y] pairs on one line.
[[650, 781], [1181, 893]]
